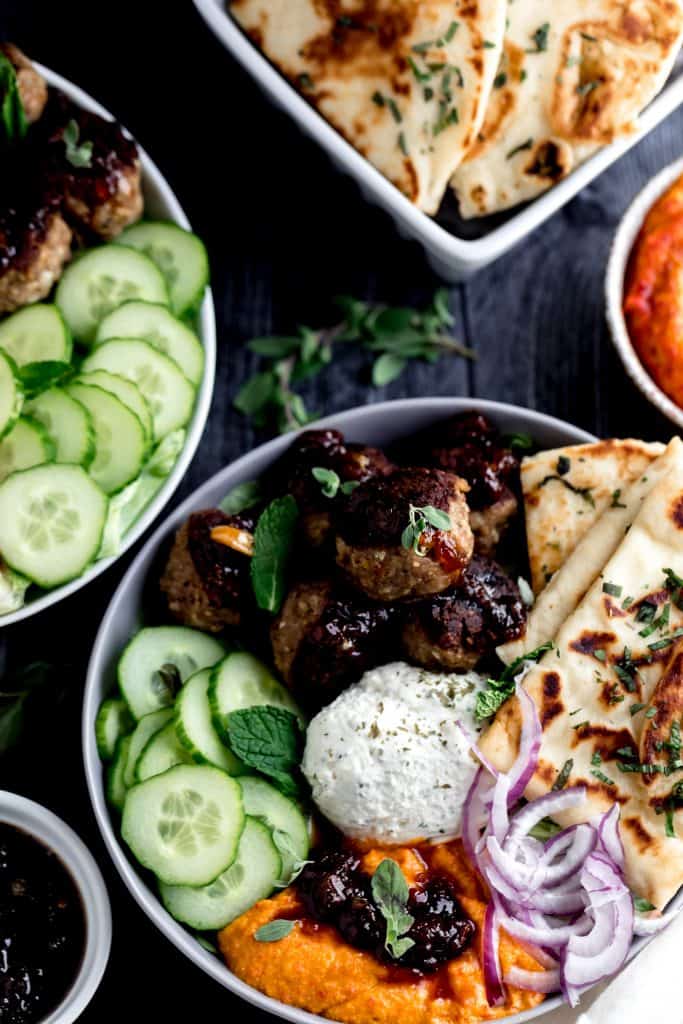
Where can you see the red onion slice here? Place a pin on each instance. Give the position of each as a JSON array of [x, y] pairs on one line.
[[534, 981], [652, 925], [582, 971], [529, 746], [552, 937], [610, 839], [547, 806], [493, 977], [600, 935], [474, 815]]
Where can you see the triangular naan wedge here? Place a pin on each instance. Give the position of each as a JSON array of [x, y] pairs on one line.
[[405, 81], [566, 490], [573, 78], [607, 695], [573, 578]]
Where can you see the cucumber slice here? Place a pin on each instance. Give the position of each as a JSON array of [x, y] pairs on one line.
[[11, 394], [169, 394], [282, 816], [13, 589], [163, 751], [113, 721], [120, 442], [195, 728], [100, 280], [180, 256], [251, 877], [116, 788], [185, 825], [68, 423], [125, 391], [157, 325], [242, 681], [36, 334], [143, 687], [51, 522], [27, 444], [146, 728]]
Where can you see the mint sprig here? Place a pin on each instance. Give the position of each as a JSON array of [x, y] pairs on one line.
[[267, 739]]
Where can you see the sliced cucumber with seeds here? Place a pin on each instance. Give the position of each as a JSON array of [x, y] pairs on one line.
[[68, 423], [153, 654], [125, 391], [120, 442], [180, 256], [11, 394], [242, 681], [113, 721], [145, 729], [282, 816], [163, 751], [36, 334], [195, 729], [151, 322], [185, 825], [168, 393], [51, 522], [27, 444], [100, 280], [251, 877], [116, 787]]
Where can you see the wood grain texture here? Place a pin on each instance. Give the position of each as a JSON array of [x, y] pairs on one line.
[[286, 233]]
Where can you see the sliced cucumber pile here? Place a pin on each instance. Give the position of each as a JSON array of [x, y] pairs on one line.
[[217, 839], [109, 411]]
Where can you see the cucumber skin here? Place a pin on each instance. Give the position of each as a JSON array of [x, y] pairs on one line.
[[191, 306], [68, 337], [49, 447], [144, 442], [150, 743], [90, 450], [235, 765], [112, 705], [18, 395], [116, 790]]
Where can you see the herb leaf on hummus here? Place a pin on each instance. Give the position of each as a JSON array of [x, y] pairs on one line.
[[274, 930], [390, 892]]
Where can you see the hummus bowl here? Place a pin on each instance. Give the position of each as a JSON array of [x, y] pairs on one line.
[[134, 604]]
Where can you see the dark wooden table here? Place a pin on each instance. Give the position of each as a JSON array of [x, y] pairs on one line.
[[285, 234]]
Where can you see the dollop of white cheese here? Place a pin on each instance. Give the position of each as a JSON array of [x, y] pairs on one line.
[[389, 759]]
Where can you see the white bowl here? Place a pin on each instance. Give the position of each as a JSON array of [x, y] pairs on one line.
[[452, 257], [614, 289], [375, 425], [160, 202], [62, 840]]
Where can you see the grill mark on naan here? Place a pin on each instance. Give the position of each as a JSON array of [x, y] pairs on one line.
[[591, 641]]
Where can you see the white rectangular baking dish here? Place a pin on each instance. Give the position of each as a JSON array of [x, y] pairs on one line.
[[453, 257]]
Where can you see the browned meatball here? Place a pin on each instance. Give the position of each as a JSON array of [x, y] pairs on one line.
[[325, 639], [453, 630], [490, 523], [31, 84], [207, 584], [322, 449], [371, 528]]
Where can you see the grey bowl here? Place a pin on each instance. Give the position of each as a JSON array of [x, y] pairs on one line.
[[379, 425]]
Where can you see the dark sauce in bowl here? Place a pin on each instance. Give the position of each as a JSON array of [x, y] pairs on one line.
[[42, 928]]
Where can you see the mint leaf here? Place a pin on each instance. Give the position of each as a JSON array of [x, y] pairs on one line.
[[273, 540], [13, 124], [498, 690], [641, 905], [274, 930], [267, 739], [390, 893], [77, 155], [387, 368], [242, 497], [327, 478]]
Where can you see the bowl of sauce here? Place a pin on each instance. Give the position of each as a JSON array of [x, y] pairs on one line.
[[644, 292], [55, 918]]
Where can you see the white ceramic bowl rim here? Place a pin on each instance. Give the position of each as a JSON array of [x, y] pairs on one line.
[[402, 415], [63, 841], [620, 252], [164, 204]]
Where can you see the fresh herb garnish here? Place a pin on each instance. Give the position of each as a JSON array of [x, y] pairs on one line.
[[330, 482], [274, 930], [13, 123], [540, 38], [601, 777], [583, 492], [498, 690], [242, 497], [545, 829], [651, 712], [78, 155], [419, 519], [390, 893], [587, 87], [596, 759], [563, 465], [612, 589], [615, 503], [520, 149], [659, 645], [500, 80], [674, 584], [520, 442], [269, 740], [563, 775], [273, 539], [642, 906], [635, 708]]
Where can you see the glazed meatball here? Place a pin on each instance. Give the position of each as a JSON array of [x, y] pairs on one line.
[[371, 535], [470, 445], [206, 583], [324, 449], [454, 629], [31, 84], [325, 639], [103, 195]]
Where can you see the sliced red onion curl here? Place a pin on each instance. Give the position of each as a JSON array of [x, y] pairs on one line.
[[493, 979]]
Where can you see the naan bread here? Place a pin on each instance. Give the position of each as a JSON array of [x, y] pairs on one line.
[[571, 581], [405, 81], [566, 490], [587, 708], [574, 76]]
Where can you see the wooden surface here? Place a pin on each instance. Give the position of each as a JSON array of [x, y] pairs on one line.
[[285, 234]]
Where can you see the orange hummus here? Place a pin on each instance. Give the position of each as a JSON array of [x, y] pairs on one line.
[[653, 301], [313, 967]]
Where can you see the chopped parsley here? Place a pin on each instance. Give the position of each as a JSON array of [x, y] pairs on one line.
[[563, 465], [540, 38], [500, 80], [563, 774], [601, 777], [635, 708], [615, 503], [520, 149], [612, 589], [498, 690], [583, 492]]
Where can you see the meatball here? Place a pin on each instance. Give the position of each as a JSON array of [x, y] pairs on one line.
[[453, 630], [325, 639], [323, 449], [102, 192], [470, 445], [372, 549], [31, 84], [206, 583]]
